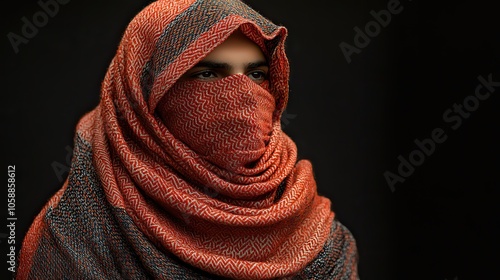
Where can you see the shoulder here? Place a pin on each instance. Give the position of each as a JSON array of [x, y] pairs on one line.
[[337, 260]]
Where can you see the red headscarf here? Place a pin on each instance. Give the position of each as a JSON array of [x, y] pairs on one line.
[[198, 172]]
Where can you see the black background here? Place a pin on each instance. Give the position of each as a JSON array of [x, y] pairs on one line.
[[352, 120]]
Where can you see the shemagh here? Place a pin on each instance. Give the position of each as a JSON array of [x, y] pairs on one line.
[[174, 179]]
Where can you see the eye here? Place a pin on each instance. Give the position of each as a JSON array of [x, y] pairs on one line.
[[205, 75], [258, 76]]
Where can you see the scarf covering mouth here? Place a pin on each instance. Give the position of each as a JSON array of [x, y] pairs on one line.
[[227, 122], [220, 198]]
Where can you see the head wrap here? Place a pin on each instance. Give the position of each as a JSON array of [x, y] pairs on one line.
[[187, 180]]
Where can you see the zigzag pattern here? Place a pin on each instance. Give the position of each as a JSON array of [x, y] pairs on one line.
[[227, 122], [207, 186], [188, 25]]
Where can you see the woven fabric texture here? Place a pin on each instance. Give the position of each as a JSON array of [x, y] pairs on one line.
[[174, 180]]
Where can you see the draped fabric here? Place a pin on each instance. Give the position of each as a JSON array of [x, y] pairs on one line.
[[188, 181]]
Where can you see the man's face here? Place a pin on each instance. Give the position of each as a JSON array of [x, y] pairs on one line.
[[236, 55]]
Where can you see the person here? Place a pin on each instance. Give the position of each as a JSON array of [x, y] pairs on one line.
[[182, 170]]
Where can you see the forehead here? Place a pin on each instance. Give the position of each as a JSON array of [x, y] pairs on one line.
[[236, 48]]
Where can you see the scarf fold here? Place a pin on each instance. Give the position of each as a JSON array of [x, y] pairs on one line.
[[194, 175]]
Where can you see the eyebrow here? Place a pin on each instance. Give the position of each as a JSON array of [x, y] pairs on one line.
[[253, 65], [226, 66]]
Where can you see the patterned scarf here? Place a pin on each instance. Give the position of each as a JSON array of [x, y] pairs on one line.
[[188, 180]]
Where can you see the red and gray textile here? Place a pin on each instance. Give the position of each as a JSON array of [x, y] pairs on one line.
[[195, 180]]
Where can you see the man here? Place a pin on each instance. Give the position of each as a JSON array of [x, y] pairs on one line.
[[182, 171]]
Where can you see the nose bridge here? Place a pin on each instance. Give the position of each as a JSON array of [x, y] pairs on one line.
[[243, 82], [238, 70], [239, 75]]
